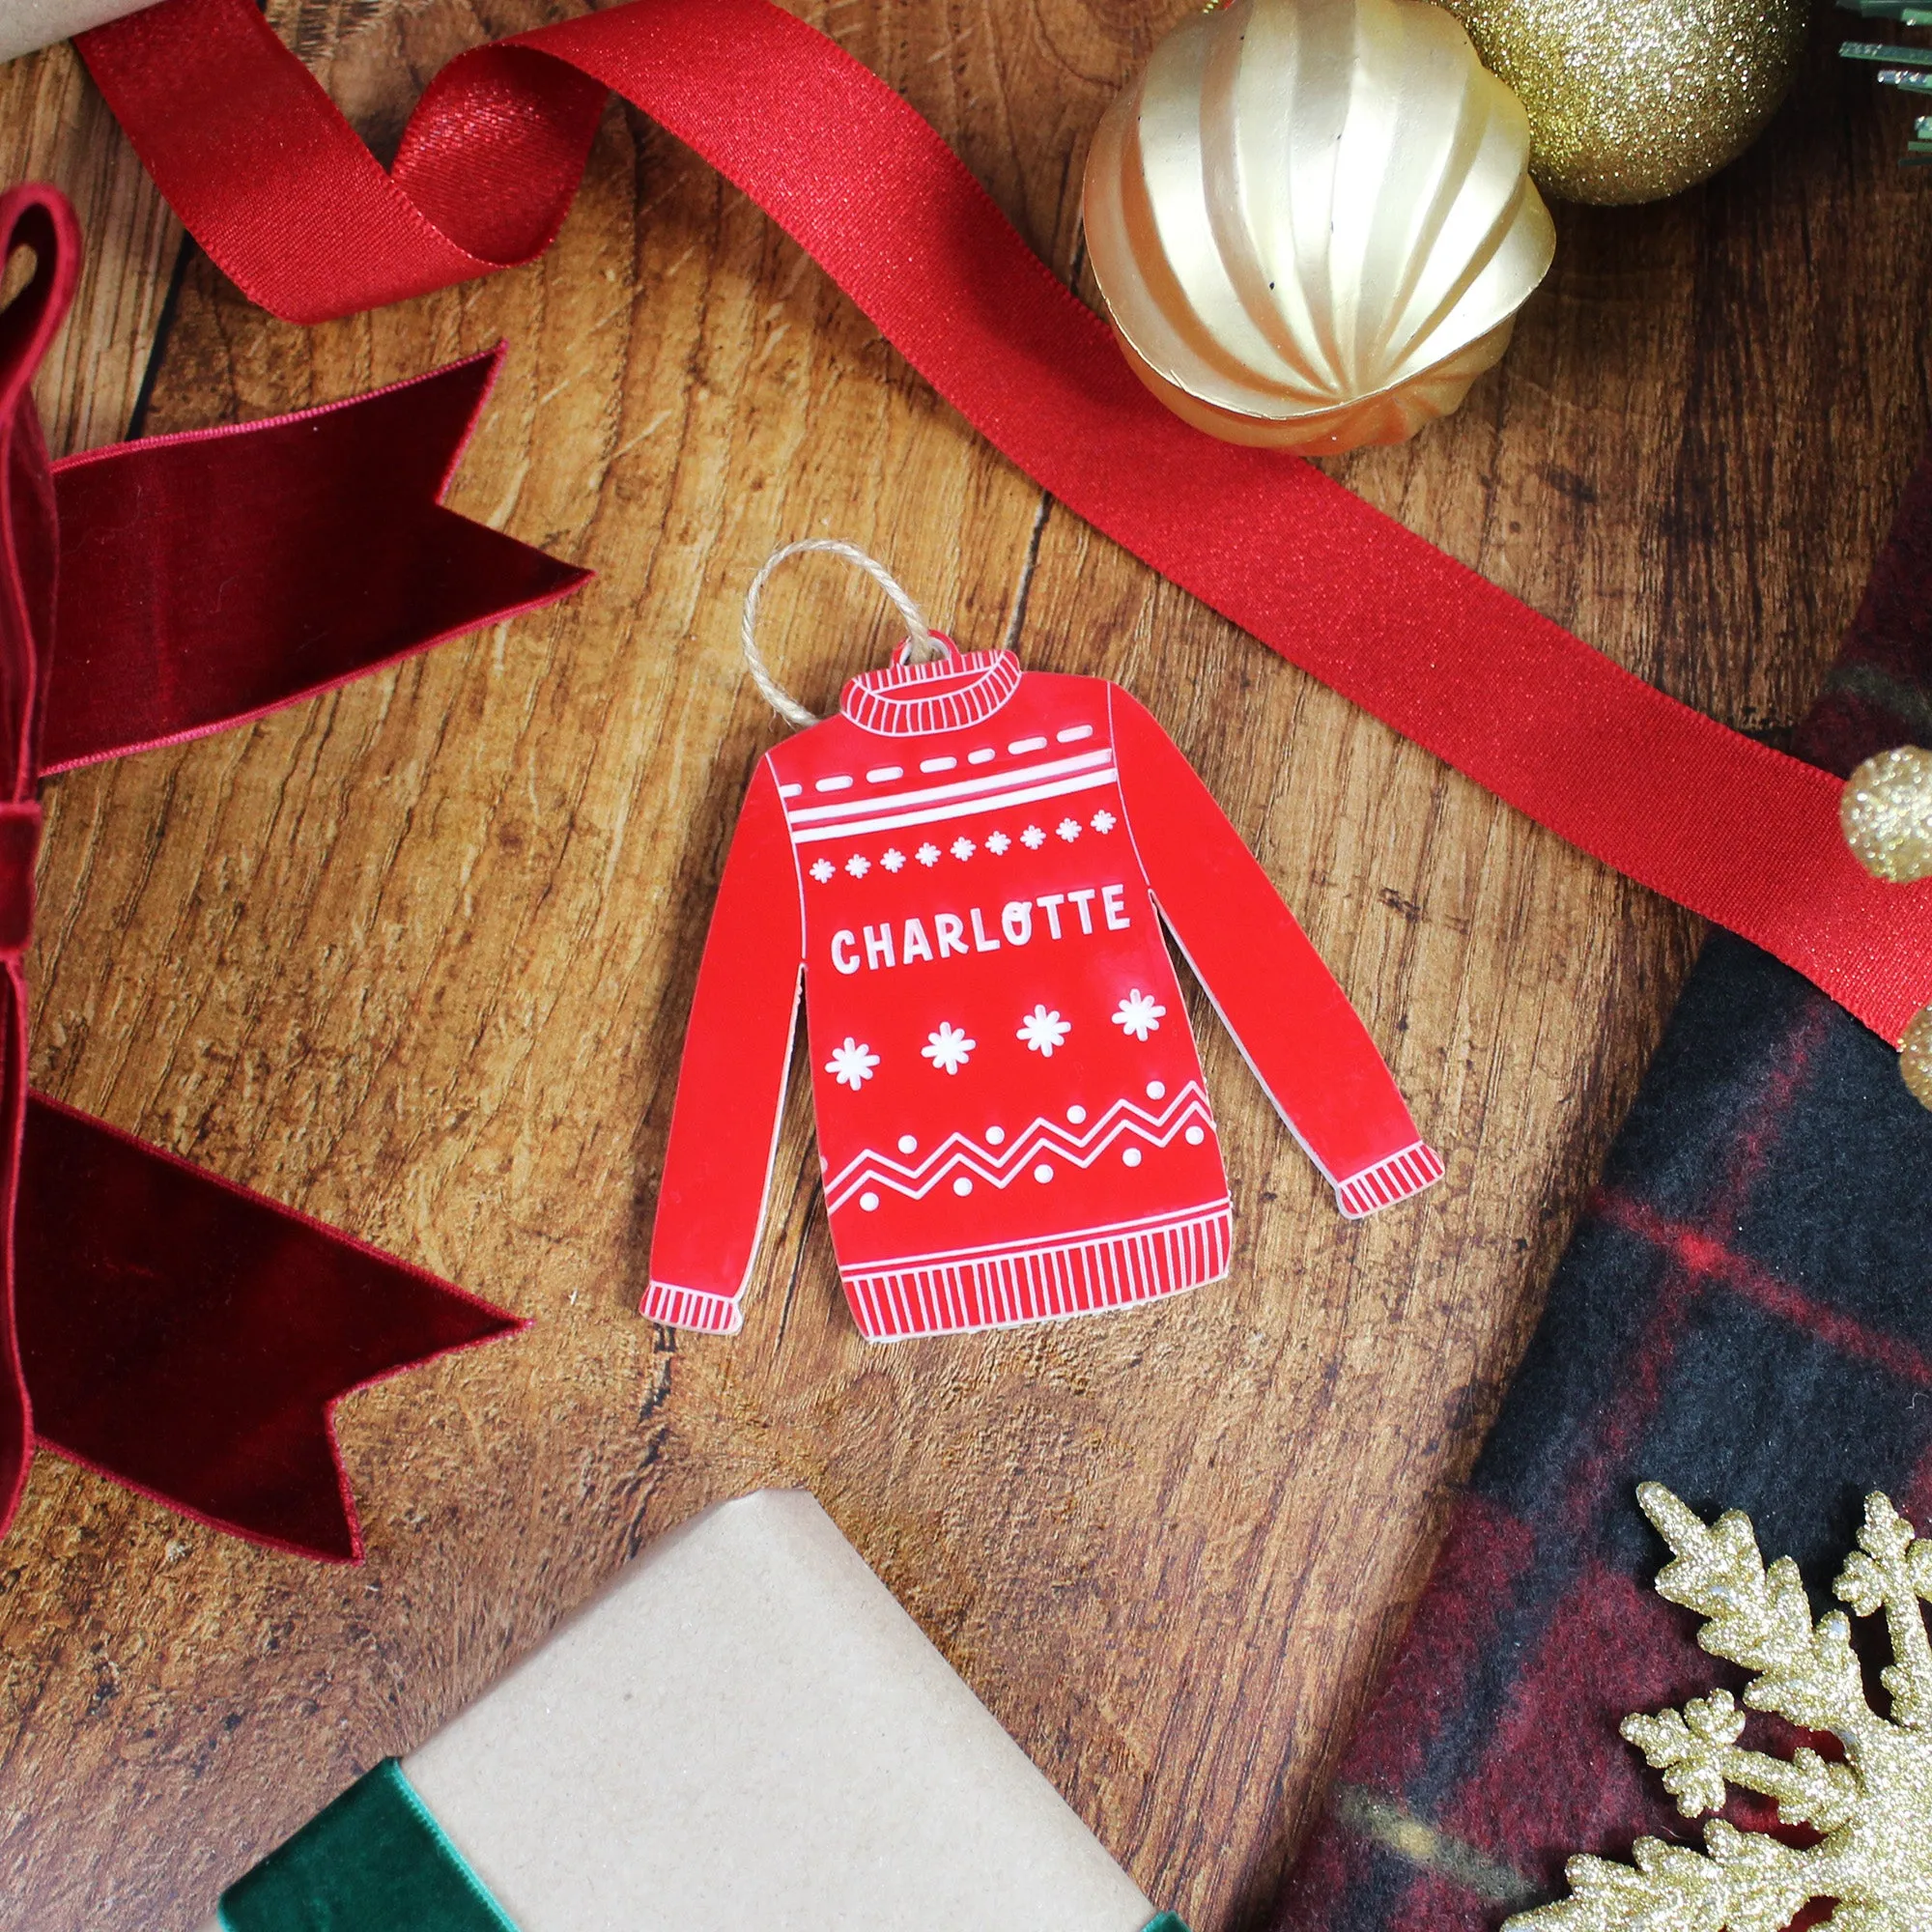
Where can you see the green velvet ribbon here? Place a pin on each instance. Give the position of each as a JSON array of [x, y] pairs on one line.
[[374, 1862]]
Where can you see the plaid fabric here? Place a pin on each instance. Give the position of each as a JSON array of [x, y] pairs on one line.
[[1745, 1315]]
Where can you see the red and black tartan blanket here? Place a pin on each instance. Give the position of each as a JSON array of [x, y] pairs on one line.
[[1745, 1314]]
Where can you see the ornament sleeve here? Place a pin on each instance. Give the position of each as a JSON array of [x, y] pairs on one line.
[[731, 1082], [1293, 1022]]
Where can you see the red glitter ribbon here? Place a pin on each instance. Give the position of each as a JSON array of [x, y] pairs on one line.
[[277, 187], [183, 1335]]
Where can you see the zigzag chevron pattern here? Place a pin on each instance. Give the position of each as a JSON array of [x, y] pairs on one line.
[[1000, 1168]]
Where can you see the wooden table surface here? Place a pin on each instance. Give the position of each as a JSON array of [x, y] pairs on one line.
[[415, 958]]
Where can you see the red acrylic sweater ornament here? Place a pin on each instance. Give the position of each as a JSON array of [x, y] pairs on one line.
[[969, 867]]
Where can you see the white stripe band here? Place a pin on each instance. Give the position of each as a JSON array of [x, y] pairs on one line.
[[964, 808], [853, 807]]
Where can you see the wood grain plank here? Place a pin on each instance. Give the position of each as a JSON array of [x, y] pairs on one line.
[[417, 957], [55, 127]]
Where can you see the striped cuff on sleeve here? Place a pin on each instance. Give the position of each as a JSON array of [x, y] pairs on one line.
[[692, 1308], [1389, 1180]]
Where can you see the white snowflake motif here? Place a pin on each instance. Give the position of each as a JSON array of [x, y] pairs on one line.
[[1103, 821], [948, 1049], [892, 858], [822, 869], [1140, 1014], [1033, 837], [858, 865], [1043, 1031], [927, 854], [852, 1063], [963, 848], [999, 844], [1068, 829]]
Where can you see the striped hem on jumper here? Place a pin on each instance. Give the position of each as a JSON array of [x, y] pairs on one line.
[[1002, 1288]]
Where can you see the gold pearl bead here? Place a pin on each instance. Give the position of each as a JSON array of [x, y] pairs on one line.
[[1914, 1058], [1886, 814]]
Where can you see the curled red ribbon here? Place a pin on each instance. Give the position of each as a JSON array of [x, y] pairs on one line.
[[184, 1335], [275, 184]]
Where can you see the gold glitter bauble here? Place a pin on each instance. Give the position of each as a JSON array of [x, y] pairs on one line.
[[1633, 100], [1312, 222], [1887, 813], [1914, 1058]]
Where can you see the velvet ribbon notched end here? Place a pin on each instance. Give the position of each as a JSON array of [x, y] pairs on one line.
[[277, 187], [330, 555], [181, 1334]]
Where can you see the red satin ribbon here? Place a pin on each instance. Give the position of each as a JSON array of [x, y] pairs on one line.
[[184, 1335], [275, 185]]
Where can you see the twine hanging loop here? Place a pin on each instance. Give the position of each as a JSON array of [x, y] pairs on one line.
[[921, 646]]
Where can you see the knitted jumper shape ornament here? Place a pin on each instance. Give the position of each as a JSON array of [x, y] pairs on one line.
[[969, 867]]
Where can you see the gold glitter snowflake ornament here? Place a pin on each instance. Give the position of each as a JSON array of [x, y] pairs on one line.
[[1873, 1810]]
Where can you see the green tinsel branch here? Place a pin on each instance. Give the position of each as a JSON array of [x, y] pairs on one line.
[[1907, 69]]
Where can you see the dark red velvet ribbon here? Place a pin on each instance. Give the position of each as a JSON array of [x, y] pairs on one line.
[[181, 1334], [277, 187]]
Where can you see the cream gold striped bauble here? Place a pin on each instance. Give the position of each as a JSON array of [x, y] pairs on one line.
[[1312, 220]]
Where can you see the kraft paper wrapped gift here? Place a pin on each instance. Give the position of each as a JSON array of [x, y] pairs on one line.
[[746, 1731], [27, 24]]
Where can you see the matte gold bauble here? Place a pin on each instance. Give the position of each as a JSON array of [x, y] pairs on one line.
[[1310, 220], [1633, 100]]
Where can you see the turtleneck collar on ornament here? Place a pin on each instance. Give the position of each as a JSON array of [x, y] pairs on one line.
[[917, 701]]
